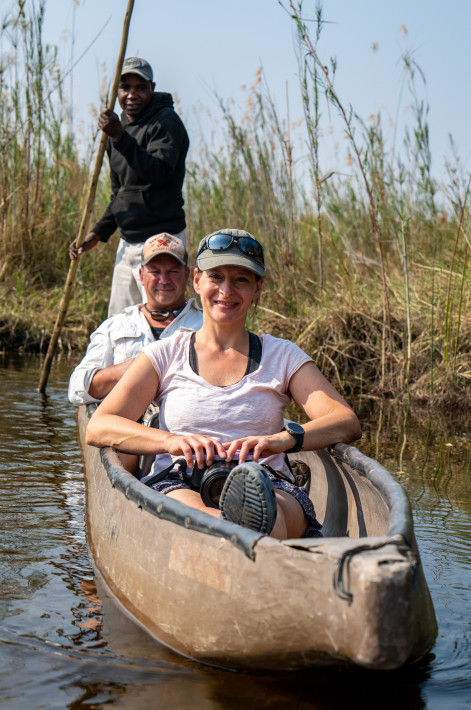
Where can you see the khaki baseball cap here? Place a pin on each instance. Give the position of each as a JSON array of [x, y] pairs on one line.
[[136, 65], [164, 244], [231, 247]]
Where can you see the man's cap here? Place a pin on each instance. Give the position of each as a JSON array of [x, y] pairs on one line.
[[136, 65], [232, 256], [164, 244]]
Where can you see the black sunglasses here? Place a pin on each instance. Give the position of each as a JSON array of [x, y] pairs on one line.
[[247, 245]]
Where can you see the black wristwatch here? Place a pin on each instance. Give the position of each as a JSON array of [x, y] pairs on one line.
[[297, 431]]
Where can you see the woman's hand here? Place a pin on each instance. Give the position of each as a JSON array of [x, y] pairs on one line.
[[202, 447], [259, 446]]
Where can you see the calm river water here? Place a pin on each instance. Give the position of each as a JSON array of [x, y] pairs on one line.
[[64, 645]]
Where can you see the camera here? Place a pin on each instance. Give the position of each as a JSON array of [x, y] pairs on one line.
[[210, 480]]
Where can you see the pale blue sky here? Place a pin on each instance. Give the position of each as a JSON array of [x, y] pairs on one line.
[[199, 47]]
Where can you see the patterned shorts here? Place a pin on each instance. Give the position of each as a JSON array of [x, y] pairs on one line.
[[175, 481]]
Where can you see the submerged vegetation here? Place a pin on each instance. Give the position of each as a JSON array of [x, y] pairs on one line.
[[369, 272]]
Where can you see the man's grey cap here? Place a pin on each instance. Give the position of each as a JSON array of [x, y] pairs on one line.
[[136, 65], [211, 259]]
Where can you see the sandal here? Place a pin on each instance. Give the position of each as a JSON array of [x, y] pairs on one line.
[[248, 498]]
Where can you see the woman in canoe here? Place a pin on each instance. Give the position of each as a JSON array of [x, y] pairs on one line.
[[221, 393]]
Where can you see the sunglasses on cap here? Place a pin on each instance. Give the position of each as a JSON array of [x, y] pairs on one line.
[[247, 245]]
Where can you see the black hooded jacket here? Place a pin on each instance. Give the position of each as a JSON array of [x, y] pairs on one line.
[[147, 167]]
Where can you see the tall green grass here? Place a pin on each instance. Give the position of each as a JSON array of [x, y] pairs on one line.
[[42, 179], [368, 273]]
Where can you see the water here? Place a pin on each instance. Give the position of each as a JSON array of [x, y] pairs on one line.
[[63, 644]]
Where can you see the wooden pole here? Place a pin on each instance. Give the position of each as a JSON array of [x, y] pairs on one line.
[[87, 210]]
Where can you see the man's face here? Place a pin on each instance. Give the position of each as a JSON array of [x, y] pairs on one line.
[[164, 280], [134, 94]]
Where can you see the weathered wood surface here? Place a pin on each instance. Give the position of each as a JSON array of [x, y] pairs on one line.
[[228, 596]]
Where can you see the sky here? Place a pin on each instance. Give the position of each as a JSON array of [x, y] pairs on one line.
[[214, 47]]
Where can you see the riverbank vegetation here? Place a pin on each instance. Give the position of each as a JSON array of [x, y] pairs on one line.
[[368, 271]]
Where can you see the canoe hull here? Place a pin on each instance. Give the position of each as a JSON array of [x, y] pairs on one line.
[[232, 598]]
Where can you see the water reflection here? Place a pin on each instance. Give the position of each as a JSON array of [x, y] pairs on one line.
[[64, 643]]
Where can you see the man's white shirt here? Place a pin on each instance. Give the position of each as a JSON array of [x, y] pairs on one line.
[[121, 337]]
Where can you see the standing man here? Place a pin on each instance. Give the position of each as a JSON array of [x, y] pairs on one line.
[[147, 149], [118, 340]]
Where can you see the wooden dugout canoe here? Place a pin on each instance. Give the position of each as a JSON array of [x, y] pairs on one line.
[[228, 596]]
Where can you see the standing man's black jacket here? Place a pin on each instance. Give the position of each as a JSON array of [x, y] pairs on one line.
[[147, 167]]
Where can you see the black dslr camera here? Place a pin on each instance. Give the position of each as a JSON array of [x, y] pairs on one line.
[[210, 480]]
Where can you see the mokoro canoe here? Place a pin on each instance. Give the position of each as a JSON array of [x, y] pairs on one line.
[[228, 596]]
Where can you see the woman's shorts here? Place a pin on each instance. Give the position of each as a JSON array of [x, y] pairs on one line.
[[175, 481]]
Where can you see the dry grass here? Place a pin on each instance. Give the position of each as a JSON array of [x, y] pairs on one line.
[[366, 272]]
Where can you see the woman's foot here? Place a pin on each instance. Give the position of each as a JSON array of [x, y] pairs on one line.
[[248, 498]]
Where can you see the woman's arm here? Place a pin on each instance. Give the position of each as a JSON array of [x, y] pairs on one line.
[[332, 420], [115, 423]]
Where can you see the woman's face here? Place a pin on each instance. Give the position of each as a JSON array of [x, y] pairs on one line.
[[227, 292]]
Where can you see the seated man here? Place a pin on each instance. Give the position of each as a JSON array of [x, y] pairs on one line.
[[118, 340]]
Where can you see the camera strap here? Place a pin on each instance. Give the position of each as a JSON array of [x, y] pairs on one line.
[[278, 474], [177, 466]]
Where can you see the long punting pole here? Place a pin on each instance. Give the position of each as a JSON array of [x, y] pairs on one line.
[[87, 210]]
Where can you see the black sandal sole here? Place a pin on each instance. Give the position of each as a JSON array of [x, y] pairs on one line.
[[248, 498]]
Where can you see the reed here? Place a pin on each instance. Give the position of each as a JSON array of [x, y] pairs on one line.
[[368, 273], [408, 345], [42, 177], [310, 84]]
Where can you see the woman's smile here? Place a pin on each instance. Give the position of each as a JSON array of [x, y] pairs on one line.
[[225, 304]]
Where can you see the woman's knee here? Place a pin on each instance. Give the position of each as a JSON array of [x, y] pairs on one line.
[[291, 521]]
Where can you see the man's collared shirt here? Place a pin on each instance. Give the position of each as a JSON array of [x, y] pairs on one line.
[[119, 338]]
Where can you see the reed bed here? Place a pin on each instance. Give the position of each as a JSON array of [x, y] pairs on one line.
[[368, 273]]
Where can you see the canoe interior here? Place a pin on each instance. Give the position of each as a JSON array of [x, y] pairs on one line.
[[359, 588]]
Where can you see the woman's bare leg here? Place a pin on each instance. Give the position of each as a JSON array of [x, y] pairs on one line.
[[193, 499], [290, 519], [129, 461]]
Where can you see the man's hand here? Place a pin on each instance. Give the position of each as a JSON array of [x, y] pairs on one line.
[[90, 241], [109, 122]]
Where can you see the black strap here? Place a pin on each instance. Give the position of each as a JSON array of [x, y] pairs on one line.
[[278, 474], [178, 465], [156, 332], [253, 362], [192, 358], [255, 353]]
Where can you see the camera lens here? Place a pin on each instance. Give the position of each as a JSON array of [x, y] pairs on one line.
[[213, 481]]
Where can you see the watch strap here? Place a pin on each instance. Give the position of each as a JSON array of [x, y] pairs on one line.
[[299, 441]]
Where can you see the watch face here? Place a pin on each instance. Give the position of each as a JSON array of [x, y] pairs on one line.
[[294, 428]]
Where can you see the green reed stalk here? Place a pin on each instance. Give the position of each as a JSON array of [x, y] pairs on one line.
[[432, 333], [40, 175], [286, 143], [420, 146], [295, 12], [309, 77], [460, 307], [405, 261], [403, 442], [449, 295], [270, 119], [249, 181]]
